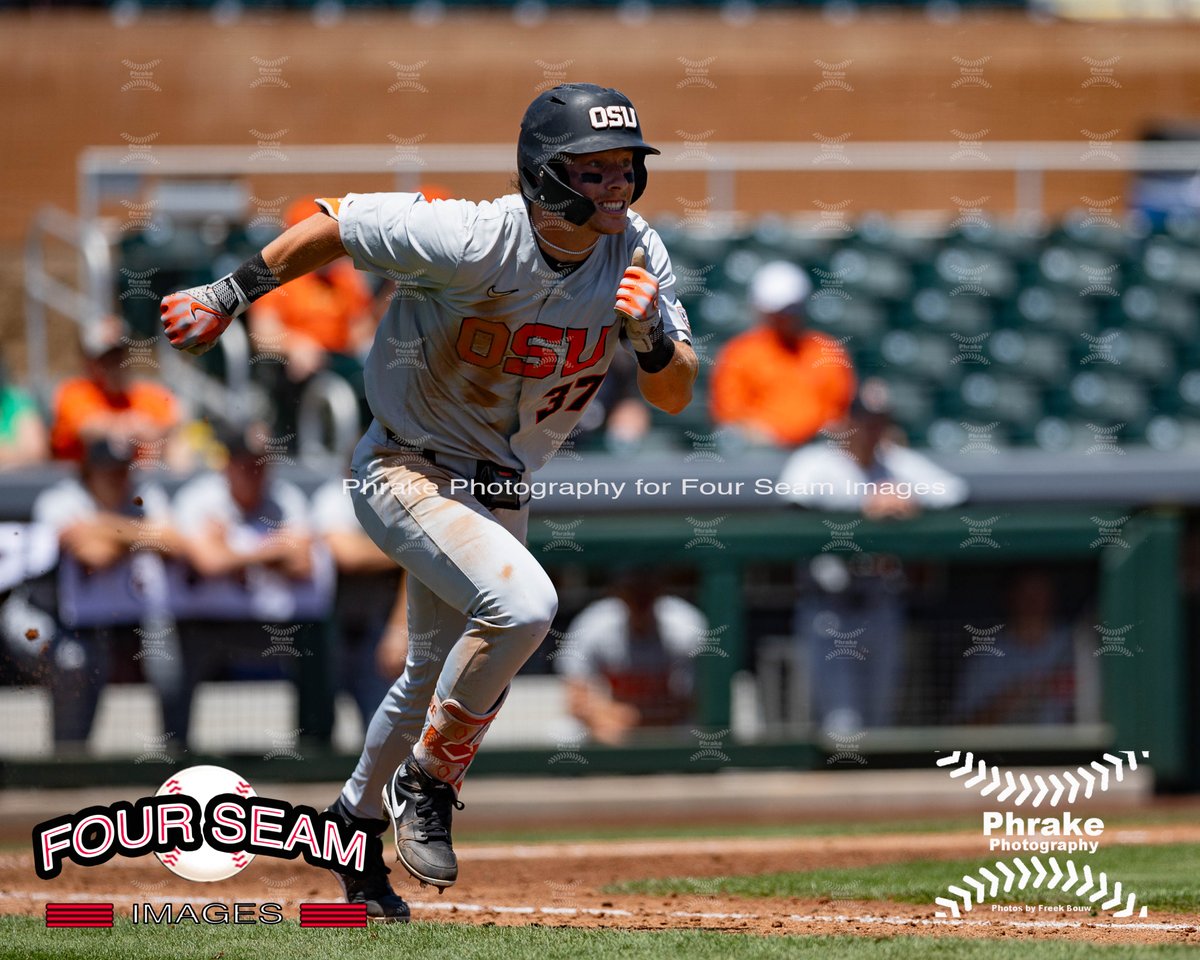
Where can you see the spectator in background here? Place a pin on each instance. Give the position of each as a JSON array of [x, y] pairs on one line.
[[1025, 673], [629, 660], [22, 433], [322, 320], [111, 585], [369, 616], [780, 383], [867, 468], [106, 403], [261, 592], [850, 617]]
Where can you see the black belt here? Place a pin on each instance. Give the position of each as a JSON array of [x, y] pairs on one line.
[[495, 485]]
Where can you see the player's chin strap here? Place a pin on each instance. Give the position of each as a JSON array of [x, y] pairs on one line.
[[554, 195], [451, 738]]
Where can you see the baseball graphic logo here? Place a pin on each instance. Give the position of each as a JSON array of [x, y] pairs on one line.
[[205, 864]]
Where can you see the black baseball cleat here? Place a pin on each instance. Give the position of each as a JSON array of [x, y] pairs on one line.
[[421, 808], [371, 886]]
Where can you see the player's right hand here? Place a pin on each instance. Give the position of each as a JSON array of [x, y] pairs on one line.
[[193, 319]]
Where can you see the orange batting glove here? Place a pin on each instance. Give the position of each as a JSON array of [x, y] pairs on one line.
[[637, 303], [193, 319]]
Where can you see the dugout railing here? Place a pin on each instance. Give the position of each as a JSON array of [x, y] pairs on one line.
[[1145, 682]]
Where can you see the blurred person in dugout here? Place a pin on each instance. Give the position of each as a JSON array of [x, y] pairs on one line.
[[108, 402], [324, 320], [23, 438], [850, 617], [779, 383], [1027, 671], [255, 600], [370, 621], [628, 660], [112, 588]]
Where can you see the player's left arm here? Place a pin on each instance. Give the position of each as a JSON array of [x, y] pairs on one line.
[[656, 325]]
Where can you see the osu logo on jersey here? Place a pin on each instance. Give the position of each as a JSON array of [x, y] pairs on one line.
[[616, 116], [528, 351]]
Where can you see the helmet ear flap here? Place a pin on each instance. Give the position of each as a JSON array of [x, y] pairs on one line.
[[639, 175], [556, 196]]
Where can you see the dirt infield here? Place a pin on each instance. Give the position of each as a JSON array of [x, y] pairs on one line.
[[562, 884]]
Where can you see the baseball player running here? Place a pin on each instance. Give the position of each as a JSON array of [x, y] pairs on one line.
[[500, 333]]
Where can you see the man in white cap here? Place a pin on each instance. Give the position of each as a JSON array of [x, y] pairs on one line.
[[780, 383]]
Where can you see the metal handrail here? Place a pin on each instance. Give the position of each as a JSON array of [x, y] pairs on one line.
[[234, 401], [45, 292], [720, 160], [337, 396], [92, 300]]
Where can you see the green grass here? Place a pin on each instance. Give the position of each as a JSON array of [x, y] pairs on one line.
[[1163, 877], [28, 939]]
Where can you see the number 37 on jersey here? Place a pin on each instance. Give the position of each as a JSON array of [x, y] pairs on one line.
[[534, 350]]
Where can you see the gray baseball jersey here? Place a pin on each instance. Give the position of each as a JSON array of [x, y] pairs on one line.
[[486, 351]]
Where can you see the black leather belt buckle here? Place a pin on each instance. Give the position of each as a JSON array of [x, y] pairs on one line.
[[496, 486]]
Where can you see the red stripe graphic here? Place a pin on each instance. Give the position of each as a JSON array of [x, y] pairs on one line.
[[333, 914], [79, 915]]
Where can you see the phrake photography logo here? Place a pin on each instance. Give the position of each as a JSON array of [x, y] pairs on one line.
[[1054, 840]]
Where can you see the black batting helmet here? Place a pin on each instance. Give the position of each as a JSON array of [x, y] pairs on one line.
[[571, 119]]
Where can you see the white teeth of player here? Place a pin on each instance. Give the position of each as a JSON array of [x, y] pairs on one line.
[[614, 207]]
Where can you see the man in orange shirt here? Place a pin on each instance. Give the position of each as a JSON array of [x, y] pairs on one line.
[[324, 319], [780, 383], [106, 403]]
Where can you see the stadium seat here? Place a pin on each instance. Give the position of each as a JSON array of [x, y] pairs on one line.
[[990, 396], [1085, 271], [1110, 233], [1048, 309], [971, 270], [1093, 438], [1160, 308], [961, 436], [1169, 262], [951, 311], [1145, 354], [877, 273], [919, 355], [1108, 396], [855, 315], [775, 238], [1041, 355]]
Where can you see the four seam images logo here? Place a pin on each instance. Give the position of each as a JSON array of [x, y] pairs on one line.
[[79, 915], [205, 823]]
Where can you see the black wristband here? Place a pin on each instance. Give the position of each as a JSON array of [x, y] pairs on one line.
[[255, 278], [659, 356]]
